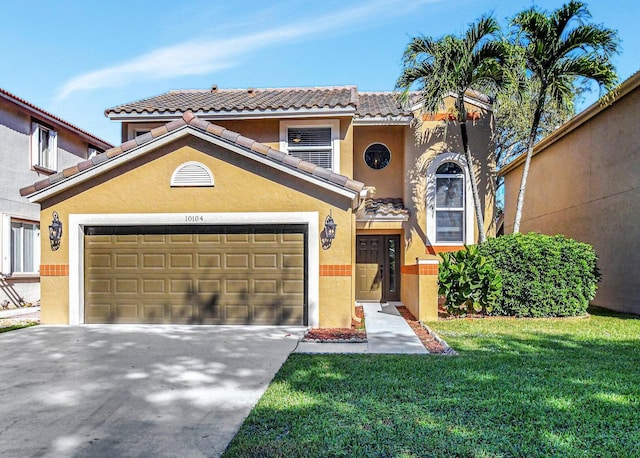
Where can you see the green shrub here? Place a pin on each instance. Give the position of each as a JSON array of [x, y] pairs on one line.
[[468, 282], [542, 275]]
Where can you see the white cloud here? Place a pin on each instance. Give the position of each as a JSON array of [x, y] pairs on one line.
[[208, 56]]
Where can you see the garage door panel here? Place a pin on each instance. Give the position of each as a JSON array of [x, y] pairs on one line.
[[154, 260], [209, 261], [153, 286], [240, 275], [126, 285]]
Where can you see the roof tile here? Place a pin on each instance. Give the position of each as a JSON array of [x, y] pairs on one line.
[[379, 208], [225, 100], [230, 135], [354, 185], [275, 154], [41, 184], [188, 116], [175, 124], [70, 171], [99, 159], [260, 148], [196, 123], [84, 165], [27, 190], [307, 166], [158, 131], [245, 142], [129, 144], [144, 138], [291, 160], [113, 152], [215, 129]]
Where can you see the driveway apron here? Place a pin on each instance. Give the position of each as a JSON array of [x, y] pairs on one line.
[[125, 390]]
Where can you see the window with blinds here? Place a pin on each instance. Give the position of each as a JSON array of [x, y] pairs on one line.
[[311, 144], [25, 247]]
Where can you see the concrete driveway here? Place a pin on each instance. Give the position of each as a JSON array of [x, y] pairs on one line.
[[127, 390]]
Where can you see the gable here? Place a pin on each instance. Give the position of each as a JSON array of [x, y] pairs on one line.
[[191, 129]]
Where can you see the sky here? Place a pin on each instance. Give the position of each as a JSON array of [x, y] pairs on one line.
[[76, 58]]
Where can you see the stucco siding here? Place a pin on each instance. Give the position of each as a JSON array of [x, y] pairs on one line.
[[388, 181], [585, 185], [241, 186]]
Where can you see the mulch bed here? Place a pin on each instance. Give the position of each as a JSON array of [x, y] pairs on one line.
[[428, 340], [356, 333]]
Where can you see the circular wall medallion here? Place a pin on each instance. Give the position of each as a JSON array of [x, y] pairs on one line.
[[377, 156]]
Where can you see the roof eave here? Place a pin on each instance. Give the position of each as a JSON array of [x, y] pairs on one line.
[[54, 120], [211, 115], [383, 120], [167, 138]]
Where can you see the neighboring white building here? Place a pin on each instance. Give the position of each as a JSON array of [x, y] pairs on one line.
[[33, 145]]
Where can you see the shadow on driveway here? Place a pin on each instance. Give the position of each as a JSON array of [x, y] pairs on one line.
[[132, 390]]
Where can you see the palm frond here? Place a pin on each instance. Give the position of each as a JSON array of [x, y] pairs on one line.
[[590, 38], [560, 18]]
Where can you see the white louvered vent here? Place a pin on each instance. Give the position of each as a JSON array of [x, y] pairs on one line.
[[192, 174]]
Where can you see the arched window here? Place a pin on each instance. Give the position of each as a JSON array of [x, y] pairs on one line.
[[449, 202], [450, 197]]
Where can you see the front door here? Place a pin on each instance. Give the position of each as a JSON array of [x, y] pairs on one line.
[[377, 268]]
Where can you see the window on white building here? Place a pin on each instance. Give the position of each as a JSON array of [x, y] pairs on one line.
[[25, 247], [44, 147]]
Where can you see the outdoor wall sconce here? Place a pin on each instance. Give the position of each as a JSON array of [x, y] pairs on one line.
[[329, 232], [55, 232]]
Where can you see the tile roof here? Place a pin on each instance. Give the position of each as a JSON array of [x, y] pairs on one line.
[[229, 136], [39, 111], [226, 100], [220, 101], [383, 208], [380, 104]]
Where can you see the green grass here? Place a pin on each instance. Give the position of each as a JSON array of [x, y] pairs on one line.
[[13, 327], [528, 387]]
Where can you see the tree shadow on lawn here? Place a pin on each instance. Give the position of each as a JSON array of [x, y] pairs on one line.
[[557, 394]]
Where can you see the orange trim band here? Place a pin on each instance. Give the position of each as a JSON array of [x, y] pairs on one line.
[[443, 249], [336, 270], [54, 270], [420, 269]]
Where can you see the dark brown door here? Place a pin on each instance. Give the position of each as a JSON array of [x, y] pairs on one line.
[[377, 267]]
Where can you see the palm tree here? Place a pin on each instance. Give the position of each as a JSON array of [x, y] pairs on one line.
[[555, 56], [455, 65]]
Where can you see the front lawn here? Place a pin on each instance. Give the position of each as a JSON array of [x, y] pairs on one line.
[[527, 387]]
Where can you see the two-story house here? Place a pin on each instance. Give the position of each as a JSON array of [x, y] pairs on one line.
[[33, 144], [269, 206]]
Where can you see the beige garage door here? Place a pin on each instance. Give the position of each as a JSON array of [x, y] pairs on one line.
[[195, 275]]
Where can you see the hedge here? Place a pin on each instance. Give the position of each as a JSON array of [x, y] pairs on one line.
[[542, 276], [524, 275]]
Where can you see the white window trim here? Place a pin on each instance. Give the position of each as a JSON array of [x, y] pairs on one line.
[[5, 248], [334, 124], [468, 237], [76, 246], [36, 127]]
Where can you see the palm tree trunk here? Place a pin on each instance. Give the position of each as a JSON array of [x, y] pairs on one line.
[[527, 162], [482, 236]]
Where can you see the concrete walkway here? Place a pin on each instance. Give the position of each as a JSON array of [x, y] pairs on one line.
[[387, 333], [17, 313]]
